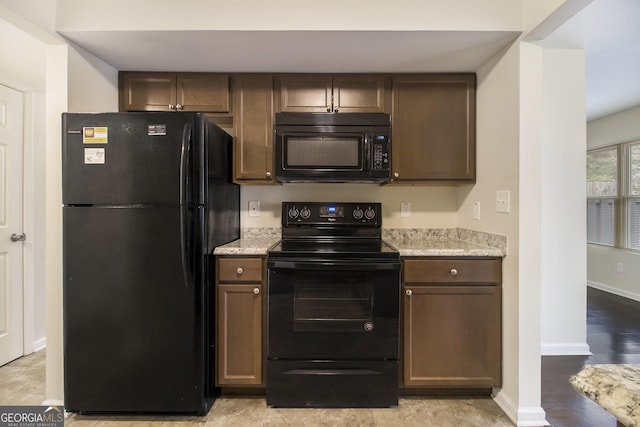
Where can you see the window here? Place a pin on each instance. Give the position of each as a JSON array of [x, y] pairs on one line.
[[613, 196], [632, 197], [602, 195]]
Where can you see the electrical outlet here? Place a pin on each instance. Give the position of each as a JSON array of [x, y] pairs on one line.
[[620, 267], [405, 209], [254, 208], [476, 210], [503, 202]]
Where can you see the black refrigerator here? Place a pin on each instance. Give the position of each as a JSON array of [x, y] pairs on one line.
[[147, 196]]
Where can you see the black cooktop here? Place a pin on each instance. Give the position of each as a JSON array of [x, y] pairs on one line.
[[340, 249]]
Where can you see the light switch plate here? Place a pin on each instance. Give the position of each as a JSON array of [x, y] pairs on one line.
[[405, 209], [503, 201], [476, 210]]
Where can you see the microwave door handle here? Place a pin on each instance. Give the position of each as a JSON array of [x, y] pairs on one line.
[[366, 161]]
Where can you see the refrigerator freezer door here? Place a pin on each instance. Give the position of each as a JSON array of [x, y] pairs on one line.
[[134, 330], [131, 158]]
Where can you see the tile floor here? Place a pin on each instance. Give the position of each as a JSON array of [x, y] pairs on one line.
[[22, 383]]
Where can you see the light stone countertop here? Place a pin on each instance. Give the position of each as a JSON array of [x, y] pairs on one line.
[[409, 242], [254, 241], [616, 388]]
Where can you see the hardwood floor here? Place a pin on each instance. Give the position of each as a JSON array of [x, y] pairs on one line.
[[613, 334]]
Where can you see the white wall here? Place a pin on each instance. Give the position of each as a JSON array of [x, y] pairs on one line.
[[563, 220], [22, 67], [602, 260], [498, 138], [353, 15]]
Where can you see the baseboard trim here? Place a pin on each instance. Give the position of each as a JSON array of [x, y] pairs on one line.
[[521, 417], [40, 344], [568, 349], [612, 290]]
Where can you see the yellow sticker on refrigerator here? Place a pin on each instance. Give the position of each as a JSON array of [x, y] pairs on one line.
[[95, 135]]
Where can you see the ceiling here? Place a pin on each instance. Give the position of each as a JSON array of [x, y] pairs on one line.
[[608, 30]]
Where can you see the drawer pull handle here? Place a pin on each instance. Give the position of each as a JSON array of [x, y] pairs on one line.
[[256, 291], [240, 270], [409, 292], [454, 272]]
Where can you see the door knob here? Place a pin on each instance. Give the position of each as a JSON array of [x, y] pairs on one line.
[[18, 237]]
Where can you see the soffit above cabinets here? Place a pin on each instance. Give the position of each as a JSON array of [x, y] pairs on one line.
[[294, 51], [287, 36]]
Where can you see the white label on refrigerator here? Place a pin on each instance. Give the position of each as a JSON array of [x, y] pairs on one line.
[[94, 156], [95, 135], [155, 130]]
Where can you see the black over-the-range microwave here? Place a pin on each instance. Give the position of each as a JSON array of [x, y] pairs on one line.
[[333, 147]]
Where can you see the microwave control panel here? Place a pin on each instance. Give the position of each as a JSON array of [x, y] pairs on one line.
[[380, 152]]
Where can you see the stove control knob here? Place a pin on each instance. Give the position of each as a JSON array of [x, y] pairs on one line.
[[358, 213], [368, 326], [305, 213], [370, 213], [293, 213]]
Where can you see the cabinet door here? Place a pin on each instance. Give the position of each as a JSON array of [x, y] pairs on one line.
[[203, 92], [452, 336], [433, 123], [239, 337], [253, 128], [305, 93], [360, 94], [147, 91]]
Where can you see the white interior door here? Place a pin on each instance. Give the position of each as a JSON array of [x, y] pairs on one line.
[[11, 234]]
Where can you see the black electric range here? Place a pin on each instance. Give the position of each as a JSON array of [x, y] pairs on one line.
[[333, 308]]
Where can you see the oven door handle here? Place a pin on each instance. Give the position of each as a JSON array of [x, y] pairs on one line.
[[331, 372], [353, 265]]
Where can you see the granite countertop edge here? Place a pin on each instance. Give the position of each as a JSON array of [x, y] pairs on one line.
[[409, 242], [616, 388]]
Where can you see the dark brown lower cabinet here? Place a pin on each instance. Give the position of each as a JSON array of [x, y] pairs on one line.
[[452, 327], [240, 318]]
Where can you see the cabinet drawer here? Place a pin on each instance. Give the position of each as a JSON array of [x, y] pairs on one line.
[[240, 269], [452, 271]]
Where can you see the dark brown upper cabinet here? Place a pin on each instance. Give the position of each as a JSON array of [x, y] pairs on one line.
[[322, 93], [150, 91], [434, 128], [253, 128]]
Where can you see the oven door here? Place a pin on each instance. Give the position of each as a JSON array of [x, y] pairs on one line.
[[333, 309]]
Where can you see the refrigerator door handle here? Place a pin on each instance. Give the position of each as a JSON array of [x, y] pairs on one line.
[[184, 247], [184, 158], [184, 244]]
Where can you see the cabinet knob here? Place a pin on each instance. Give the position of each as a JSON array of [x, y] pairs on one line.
[[172, 107], [409, 292], [179, 107], [268, 174], [256, 291], [396, 175], [328, 109], [240, 270], [454, 272], [335, 110]]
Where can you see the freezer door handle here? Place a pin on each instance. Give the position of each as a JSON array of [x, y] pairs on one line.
[[184, 159]]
